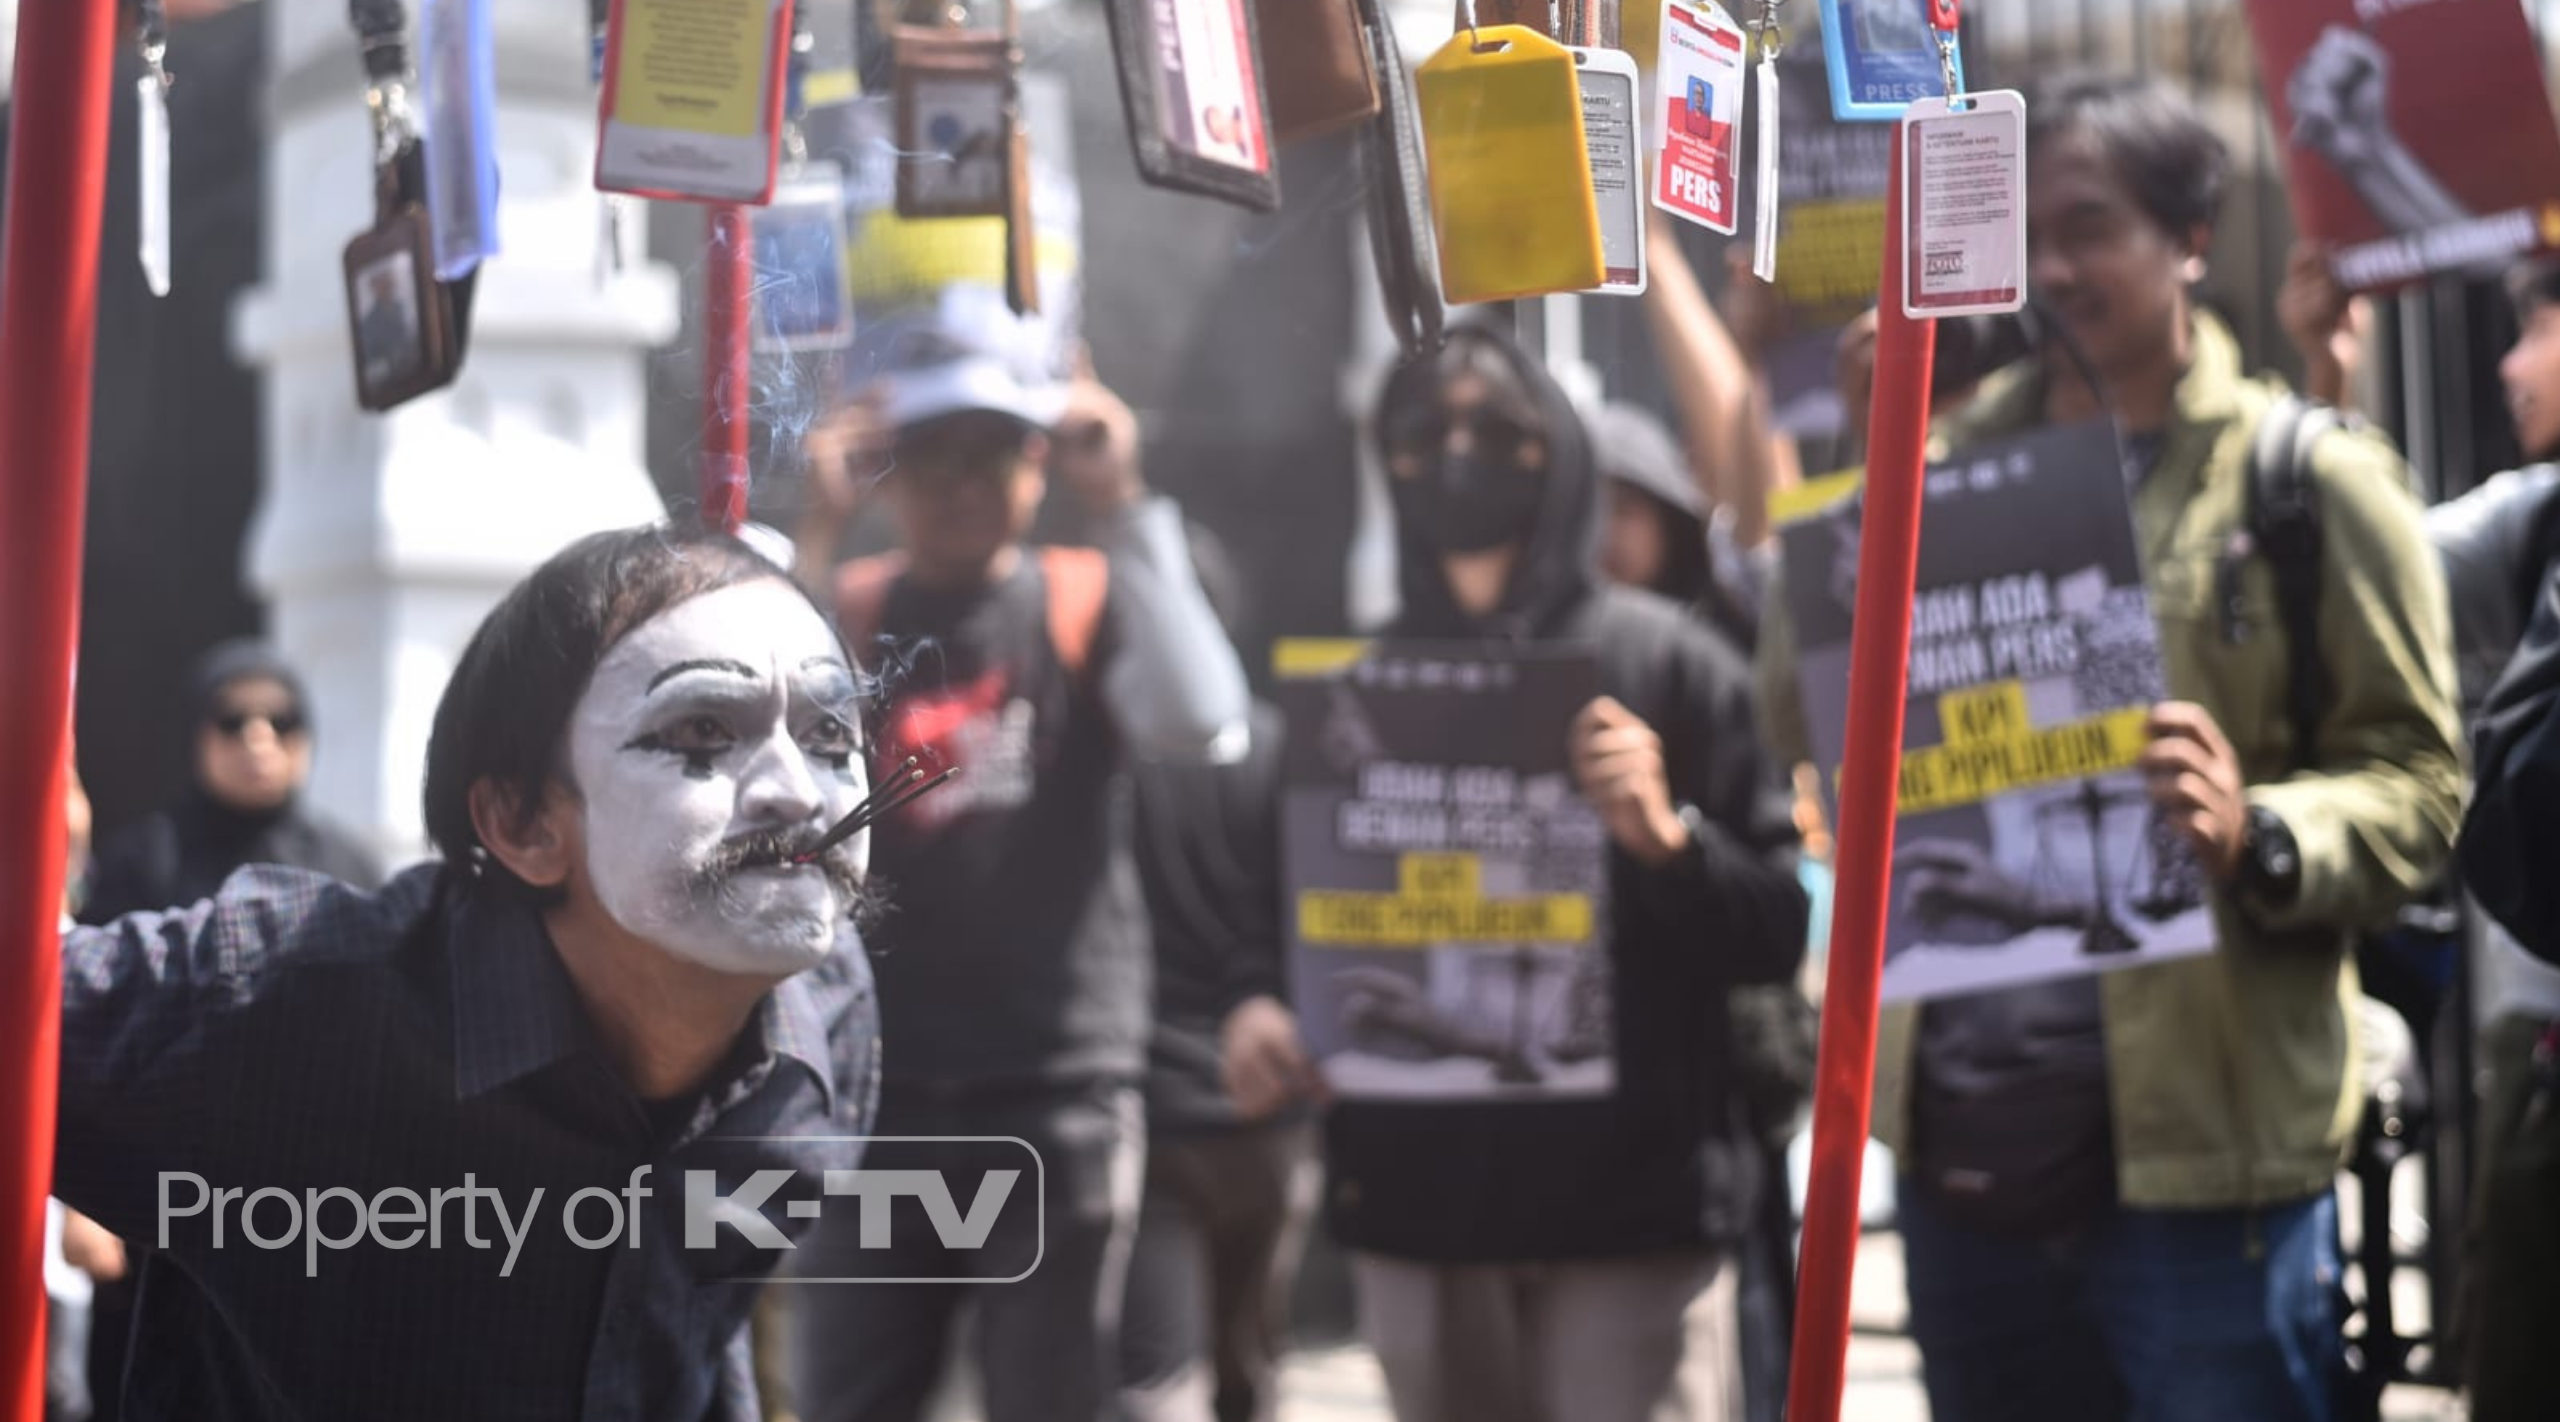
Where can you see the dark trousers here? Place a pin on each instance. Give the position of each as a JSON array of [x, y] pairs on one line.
[[1220, 1232], [2154, 1315], [872, 1352], [2511, 1278]]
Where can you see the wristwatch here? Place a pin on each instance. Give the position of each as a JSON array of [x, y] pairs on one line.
[[2270, 861]]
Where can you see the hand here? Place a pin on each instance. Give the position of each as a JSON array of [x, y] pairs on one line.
[[1752, 310], [1617, 762], [1093, 450], [1950, 887], [1261, 1060], [2194, 779], [89, 1247], [2325, 322], [845, 453], [2339, 95]]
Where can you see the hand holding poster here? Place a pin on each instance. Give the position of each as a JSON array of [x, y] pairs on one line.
[[2418, 136], [2026, 847], [1449, 921]]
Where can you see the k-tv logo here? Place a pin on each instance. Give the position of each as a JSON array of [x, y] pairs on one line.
[[920, 1210]]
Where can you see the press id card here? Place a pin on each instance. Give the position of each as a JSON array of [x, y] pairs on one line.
[[1964, 205], [1698, 82], [1609, 110]]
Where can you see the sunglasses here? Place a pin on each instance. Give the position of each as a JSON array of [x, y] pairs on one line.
[[1425, 433], [286, 724]]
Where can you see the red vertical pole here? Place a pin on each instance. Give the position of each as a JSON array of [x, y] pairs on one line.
[[728, 300], [1871, 766], [48, 321]]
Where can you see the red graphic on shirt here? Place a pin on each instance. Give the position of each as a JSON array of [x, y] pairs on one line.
[[977, 725]]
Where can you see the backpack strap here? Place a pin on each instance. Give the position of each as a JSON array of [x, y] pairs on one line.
[[1079, 583], [862, 592], [2284, 526]]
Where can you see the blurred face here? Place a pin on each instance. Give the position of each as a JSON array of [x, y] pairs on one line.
[[2109, 273], [1633, 542], [253, 751], [2531, 373], [1466, 473], [966, 488], [715, 743]]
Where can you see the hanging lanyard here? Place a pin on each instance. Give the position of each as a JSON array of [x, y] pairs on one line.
[[151, 112], [382, 41], [1764, 227], [1944, 15]]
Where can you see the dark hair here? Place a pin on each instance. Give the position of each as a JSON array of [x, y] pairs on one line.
[[2532, 285], [506, 709], [2153, 138]]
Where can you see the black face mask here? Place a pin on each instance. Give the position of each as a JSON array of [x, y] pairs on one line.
[[1466, 504]]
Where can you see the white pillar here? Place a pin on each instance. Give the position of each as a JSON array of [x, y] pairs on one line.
[[381, 540]]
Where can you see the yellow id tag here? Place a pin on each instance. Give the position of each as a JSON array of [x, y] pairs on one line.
[[1511, 190]]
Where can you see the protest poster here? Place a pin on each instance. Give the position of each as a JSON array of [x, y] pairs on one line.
[[2026, 847], [2418, 137], [1448, 886]]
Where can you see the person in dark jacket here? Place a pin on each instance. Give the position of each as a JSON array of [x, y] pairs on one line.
[[252, 759], [1229, 1192], [1555, 1259]]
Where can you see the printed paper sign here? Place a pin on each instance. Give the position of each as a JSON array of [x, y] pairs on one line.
[[1699, 83], [2417, 134], [693, 98], [1881, 55], [1609, 129], [2026, 847], [1964, 205], [1448, 885]]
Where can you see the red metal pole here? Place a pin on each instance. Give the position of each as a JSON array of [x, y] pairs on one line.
[[728, 300], [1879, 648], [48, 320]]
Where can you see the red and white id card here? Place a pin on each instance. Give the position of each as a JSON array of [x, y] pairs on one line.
[[1964, 205], [1698, 80], [692, 105]]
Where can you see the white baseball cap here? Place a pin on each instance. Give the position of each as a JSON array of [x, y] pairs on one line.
[[970, 352]]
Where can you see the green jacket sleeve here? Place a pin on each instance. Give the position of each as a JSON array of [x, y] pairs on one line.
[[2375, 822]]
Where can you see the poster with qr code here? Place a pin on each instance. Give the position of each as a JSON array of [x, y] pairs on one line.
[[2026, 847]]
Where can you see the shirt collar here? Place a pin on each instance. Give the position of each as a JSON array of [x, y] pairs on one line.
[[516, 1010], [794, 1016]]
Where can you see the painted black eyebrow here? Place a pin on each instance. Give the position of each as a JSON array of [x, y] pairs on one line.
[[723, 664]]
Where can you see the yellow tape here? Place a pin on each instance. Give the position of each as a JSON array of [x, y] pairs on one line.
[[1302, 658], [1511, 195], [1813, 496]]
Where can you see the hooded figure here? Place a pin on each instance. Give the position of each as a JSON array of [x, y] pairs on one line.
[[241, 805], [1570, 1256]]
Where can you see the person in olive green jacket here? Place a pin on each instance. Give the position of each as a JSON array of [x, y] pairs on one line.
[[2116, 1189]]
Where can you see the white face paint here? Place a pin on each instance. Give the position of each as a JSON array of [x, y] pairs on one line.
[[726, 724]]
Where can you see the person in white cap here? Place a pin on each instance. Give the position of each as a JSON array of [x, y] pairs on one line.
[[1018, 960]]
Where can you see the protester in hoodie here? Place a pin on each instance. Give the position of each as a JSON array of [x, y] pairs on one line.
[[1655, 540], [252, 759], [1569, 1259]]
